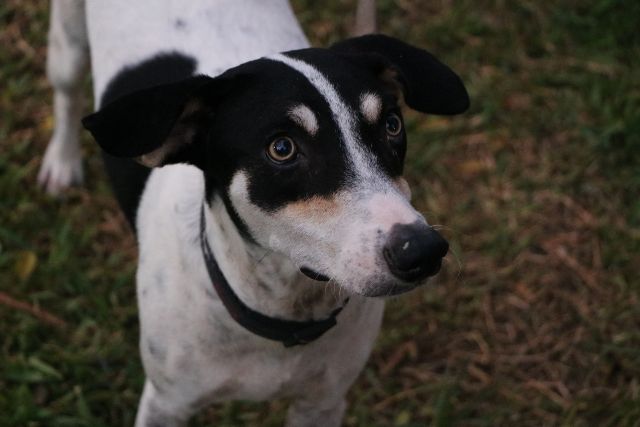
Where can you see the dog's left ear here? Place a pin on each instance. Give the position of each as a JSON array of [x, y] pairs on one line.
[[159, 125], [427, 84]]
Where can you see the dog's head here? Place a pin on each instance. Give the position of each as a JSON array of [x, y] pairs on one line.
[[306, 149]]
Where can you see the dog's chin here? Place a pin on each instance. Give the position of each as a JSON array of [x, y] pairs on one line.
[[389, 289], [376, 288], [382, 288]]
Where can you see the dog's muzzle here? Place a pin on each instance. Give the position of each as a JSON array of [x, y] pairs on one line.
[[414, 251]]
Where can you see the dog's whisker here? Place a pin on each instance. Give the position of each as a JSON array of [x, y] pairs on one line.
[[336, 289], [459, 263], [442, 227]]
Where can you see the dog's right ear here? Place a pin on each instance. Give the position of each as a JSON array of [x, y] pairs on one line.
[[160, 125], [427, 84]]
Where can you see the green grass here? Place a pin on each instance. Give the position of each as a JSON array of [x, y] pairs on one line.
[[535, 319]]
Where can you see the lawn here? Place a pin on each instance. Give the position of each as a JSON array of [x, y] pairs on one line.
[[535, 318]]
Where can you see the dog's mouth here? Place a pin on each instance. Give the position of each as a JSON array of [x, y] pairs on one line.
[[391, 290], [375, 291], [386, 290], [313, 274]]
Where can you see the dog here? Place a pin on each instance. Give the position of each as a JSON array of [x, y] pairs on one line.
[[265, 189]]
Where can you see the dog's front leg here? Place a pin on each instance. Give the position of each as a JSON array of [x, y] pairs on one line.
[[67, 59], [316, 412], [158, 410]]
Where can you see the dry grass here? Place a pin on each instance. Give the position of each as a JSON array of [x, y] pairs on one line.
[[535, 319]]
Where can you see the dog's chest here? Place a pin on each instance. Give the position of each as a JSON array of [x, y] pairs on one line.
[[268, 375], [187, 336]]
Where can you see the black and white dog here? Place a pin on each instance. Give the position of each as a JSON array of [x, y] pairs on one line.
[[284, 210]]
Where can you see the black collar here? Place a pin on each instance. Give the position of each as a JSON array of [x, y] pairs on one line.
[[288, 332]]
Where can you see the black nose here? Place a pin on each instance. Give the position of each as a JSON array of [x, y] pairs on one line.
[[414, 251]]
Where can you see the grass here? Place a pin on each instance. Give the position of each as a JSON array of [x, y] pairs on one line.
[[535, 319]]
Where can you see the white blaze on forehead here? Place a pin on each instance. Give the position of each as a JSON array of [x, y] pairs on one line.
[[365, 167], [370, 106], [303, 116]]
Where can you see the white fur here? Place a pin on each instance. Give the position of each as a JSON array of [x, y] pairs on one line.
[[343, 242], [370, 107], [67, 61], [193, 352], [303, 116], [185, 318], [220, 34]]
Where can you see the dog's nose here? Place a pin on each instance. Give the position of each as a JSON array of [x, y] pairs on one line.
[[414, 251]]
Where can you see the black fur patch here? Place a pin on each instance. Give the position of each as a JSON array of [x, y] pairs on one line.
[[127, 177], [166, 67], [428, 84], [351, 79]]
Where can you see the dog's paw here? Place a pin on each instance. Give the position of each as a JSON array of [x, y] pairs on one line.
[[60, 169]]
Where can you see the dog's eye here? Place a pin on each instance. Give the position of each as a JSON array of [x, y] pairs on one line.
[[282, 149], [393, 124]]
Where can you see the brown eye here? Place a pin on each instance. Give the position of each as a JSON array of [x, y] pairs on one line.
[[282, 149], [393, 125]]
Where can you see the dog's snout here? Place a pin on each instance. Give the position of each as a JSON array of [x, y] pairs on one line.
[[414, 251]]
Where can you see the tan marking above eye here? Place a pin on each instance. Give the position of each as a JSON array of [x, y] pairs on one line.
[[370, 107], [304, 117]]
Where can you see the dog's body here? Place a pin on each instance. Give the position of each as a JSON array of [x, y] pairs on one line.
[[337, 208], [202, 355]]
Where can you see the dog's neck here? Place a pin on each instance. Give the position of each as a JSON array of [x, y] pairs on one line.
[[266, 281]]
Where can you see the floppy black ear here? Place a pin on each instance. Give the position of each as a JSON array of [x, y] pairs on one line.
[[426, 83], [159, 125]]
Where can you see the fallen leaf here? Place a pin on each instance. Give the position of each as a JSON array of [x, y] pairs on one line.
[[25, 264]]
